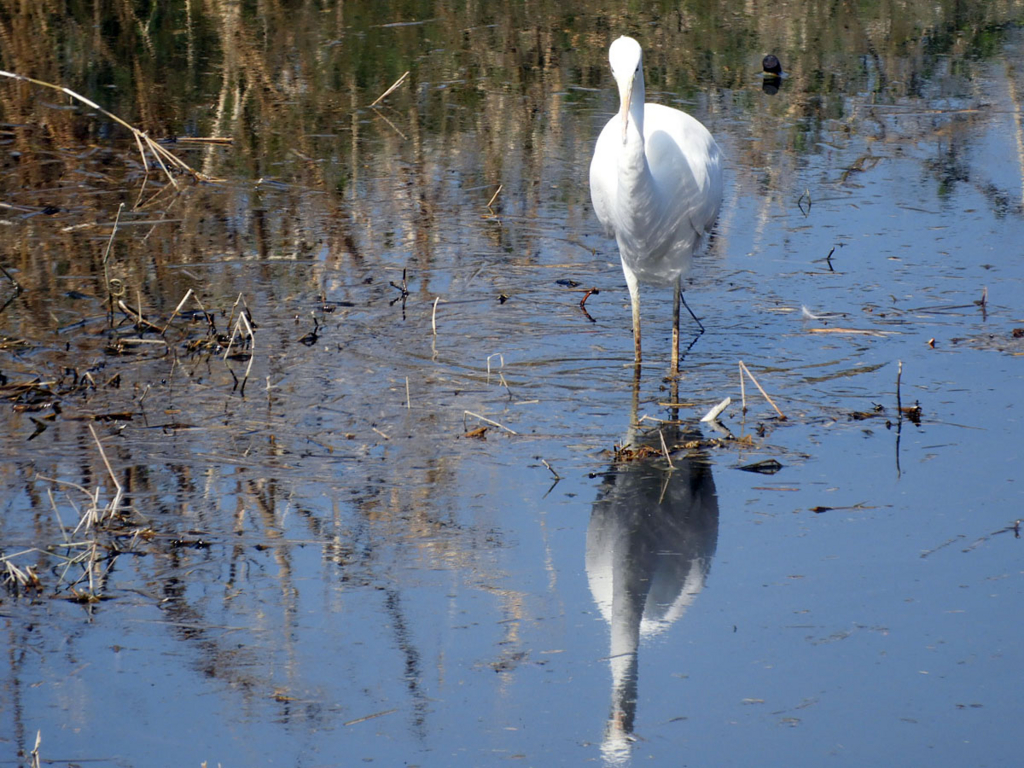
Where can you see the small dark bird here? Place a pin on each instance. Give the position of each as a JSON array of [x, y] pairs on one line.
[[771, 78]]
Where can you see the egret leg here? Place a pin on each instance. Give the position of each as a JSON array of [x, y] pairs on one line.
[[634, 409], [634, 298], [677, 295]]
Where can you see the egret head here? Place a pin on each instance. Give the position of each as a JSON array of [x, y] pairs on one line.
[[627, 59]]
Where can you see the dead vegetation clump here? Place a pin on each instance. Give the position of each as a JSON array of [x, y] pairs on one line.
[[100, 527]]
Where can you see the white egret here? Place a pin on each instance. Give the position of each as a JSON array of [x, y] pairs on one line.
[[656, 185]]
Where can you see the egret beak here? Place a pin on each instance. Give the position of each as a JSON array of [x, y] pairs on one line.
[[627, 100]]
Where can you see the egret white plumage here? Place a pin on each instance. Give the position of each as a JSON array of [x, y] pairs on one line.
[[656, 185]]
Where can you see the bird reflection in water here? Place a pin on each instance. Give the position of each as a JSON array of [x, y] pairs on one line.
[[652, 534]]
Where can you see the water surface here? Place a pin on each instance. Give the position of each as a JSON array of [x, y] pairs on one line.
[[313, 562]]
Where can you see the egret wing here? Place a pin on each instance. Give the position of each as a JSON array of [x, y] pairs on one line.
[[604, 178]]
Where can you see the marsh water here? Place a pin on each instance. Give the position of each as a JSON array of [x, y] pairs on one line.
[[321, 462]]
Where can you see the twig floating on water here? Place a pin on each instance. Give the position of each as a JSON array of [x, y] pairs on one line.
[[854, 331], [224, 140]]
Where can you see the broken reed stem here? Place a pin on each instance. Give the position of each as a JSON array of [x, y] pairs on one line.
[[244, 317], [174, 314], [664, 449], [501, 359], [120, 491], [715, 412], [136, 316], [433, 317], [387, 93], [34, 760], [237, 329], [743, 389], [495, 195], [899, 399], [771, 402], [408, 399], [106, 255], [158, 152], [550, 469], [239, 300], [489, 421]]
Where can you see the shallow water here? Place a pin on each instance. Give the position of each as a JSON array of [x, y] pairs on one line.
[[313, 564]]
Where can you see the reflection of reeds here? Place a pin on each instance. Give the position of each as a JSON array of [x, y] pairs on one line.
[[101, 524], [162, 156]]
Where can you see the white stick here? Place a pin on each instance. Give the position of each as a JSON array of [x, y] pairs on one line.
[[715, 412]]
